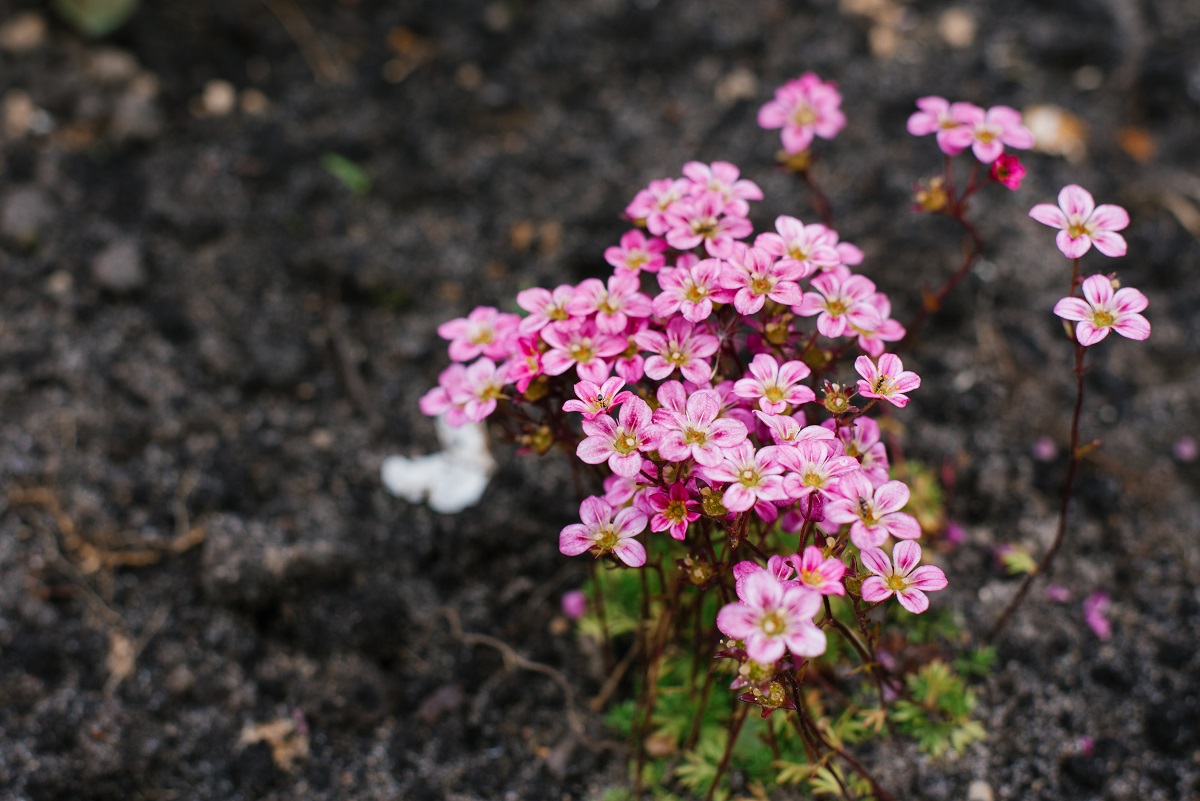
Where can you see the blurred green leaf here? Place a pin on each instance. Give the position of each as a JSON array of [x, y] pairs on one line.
[[353, 176], [95, 18]]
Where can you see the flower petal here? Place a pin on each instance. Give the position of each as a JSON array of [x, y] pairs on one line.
[[874, 589], [906, 555], [876, 561], [1074, 199], [913, 600], [1049, 214]]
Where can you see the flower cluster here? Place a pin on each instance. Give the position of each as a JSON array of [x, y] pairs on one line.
[[1104, 306], [692, 377], [986, 132]]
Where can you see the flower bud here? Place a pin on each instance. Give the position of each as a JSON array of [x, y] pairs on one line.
[[930, 196]]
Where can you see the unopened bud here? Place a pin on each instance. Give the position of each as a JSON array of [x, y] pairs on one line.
[[710, 502], [540, 440], [538, 388], [795, 162]]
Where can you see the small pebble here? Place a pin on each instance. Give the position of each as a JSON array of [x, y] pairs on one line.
[[119, 268], [23, 33], [219, 98], [979, 790], [956, 26]]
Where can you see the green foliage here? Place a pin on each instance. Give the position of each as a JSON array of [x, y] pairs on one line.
[[95, 18], [354, 177], [939, 716], [925, 502], [1017, 560]]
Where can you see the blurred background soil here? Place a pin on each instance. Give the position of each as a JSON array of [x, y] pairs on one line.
[[209, 341]]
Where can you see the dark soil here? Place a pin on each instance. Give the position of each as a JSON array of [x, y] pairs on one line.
[[208, 344]]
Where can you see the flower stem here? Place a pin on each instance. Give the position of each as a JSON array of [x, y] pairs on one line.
[[1043, 567]]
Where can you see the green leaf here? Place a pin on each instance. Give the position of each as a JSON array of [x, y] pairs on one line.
[[346, 171], [95, 18], [1017, 561], [792, 772], [825, 782]]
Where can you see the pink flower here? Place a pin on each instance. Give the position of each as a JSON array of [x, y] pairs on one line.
[[673, 509], [874, 341], [842, 301], [816, 466], [1008, 170], [907, 581], [574, 604], [887, 380], [613, 304], [804, 107], [991, 130], [755, 276], [445, 399], [808, 246], [482, 386], [577, 343], [637, 252], [753, 476], [1095, 614], [775, 386], [874, 513], [790, 429], [1101, 309], [652, 203], [937, 115], [705, 220], [544, 306], [485, 331], [696, 432], [619, 444], [771, 619], [721, 178], [685, 346], [777, 566], [1082, 223], [822, 574], [691, 290], [862, 442], [603, 533], [592, 399]]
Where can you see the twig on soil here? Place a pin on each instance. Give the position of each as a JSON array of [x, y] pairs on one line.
[[344, 355], [325, 68], [152, 627], [512, 660]]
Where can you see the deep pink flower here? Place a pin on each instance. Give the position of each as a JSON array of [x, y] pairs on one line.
[[1082, 223], [874, 513], [1100, 309], [592, 399], [806, 245], [1008, 170], [771, 619], [822, 574], [907, 581], [485, 331], [691, 290], [937, 115], [525, 364], [753, 476], [991, 130], [578, 343], [601, 532], [619, 444], [804, 107], [697, 432], [574, 604], [775, 386], [887, 380], [673, 509], [636, 253], [685, 347], [842, 301], [544, 306], [706, 220], [722, 178], [613, 304], [755, 276]]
